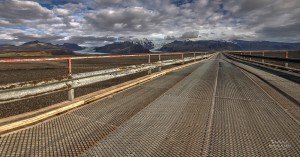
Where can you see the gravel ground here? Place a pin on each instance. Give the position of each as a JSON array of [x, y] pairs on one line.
[[22, 72]]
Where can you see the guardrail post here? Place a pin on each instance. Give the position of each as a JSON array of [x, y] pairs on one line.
[[149, 61], [71, 90], [286, 64], [263, 54], [250, 55], [159, 61], [71, 94], [194, 57], [182, 58], [69, 67]]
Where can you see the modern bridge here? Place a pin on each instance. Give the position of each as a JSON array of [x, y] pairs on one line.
[[214, 104]]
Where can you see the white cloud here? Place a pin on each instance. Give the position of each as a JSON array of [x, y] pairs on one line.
[[61, 11]]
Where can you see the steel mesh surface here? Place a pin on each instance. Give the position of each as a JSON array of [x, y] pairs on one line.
[[180, 114]]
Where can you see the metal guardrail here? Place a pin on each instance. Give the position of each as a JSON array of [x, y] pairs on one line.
[[285, 67], [23, 90], [266, 55]]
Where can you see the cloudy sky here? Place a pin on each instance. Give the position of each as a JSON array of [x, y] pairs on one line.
[[98, 22]]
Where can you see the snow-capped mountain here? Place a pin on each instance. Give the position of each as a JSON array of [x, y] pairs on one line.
[[146, 43]]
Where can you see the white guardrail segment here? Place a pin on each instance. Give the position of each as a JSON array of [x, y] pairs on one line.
[[18, 91]]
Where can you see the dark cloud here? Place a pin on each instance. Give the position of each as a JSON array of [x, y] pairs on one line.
[[190, 35], [84, 39], [97, 22], [52, 3], [19, 38], [181, 2], [16, 11], [168, 37], [127, 19], [286, 31]]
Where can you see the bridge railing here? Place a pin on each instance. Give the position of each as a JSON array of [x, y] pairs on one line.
[[280, 59], [11, 92]]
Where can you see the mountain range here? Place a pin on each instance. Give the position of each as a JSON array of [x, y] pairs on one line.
[[235, 45], [135, 46], [37, 48], [143, 46]]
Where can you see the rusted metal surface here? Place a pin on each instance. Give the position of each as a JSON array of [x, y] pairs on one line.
[[14, 92]]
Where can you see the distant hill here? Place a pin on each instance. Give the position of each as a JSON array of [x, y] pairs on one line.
[[37, 48], [213, 45], [71, 46], [207, 45], [126, 47], [38, 45]]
